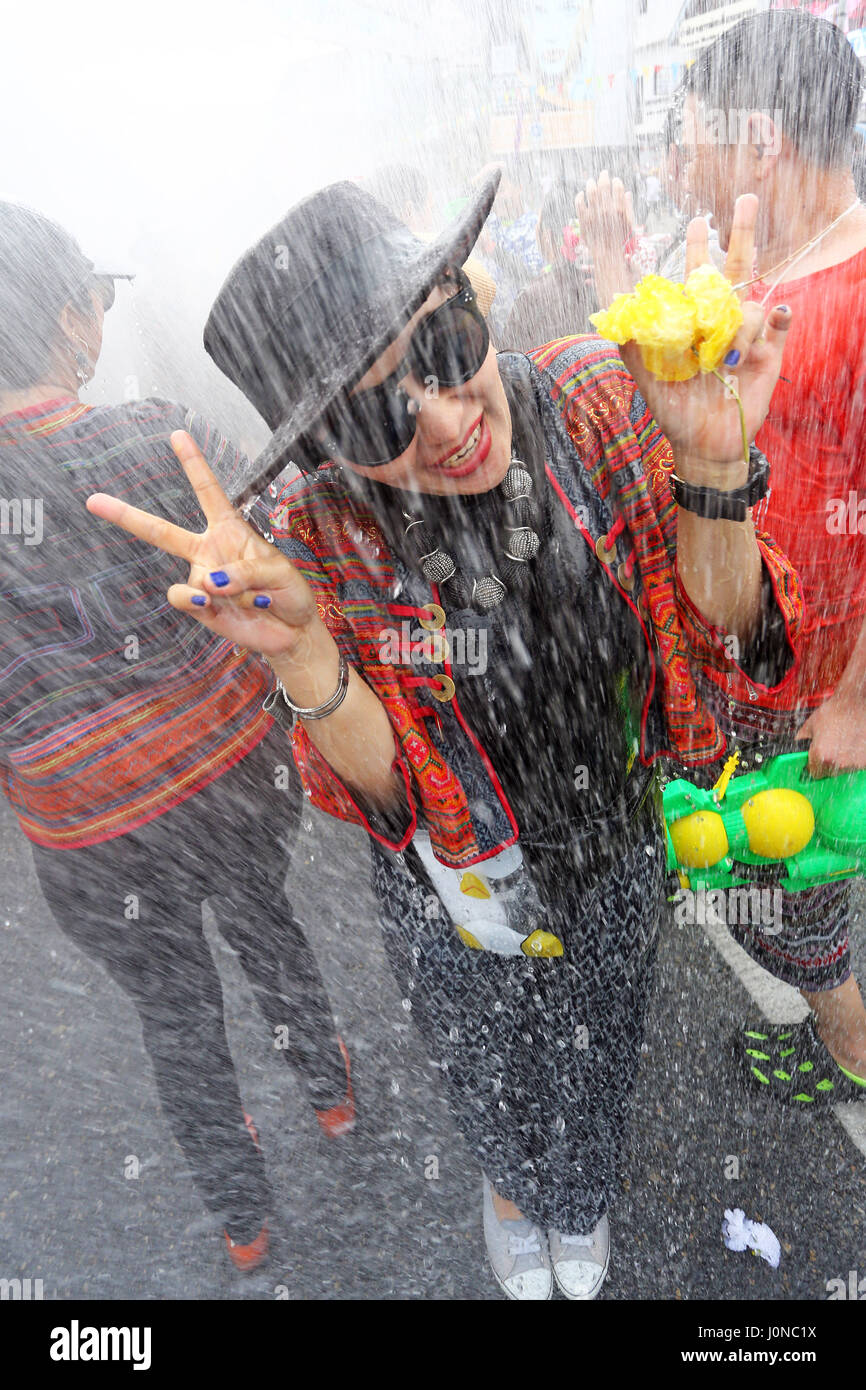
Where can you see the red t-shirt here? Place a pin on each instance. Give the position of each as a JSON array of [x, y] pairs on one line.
[[814, 439]]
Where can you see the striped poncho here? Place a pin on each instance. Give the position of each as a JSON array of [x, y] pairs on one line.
[[113, 707]]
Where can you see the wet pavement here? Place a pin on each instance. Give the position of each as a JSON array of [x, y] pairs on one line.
[[392, 1210]]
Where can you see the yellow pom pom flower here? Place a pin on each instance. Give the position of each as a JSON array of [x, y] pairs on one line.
[[680, 329], [718, 314]]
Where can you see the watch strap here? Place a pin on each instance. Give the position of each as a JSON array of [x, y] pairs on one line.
[[717, 505]]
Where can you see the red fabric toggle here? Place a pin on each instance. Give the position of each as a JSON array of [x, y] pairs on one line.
[[616, 529]]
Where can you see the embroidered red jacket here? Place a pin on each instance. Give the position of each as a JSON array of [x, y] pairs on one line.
[[608, 464]]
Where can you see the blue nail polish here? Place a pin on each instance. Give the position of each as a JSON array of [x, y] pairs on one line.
[[261, 601], [732, 358], [782, 309], [220, 578], [198, 600]]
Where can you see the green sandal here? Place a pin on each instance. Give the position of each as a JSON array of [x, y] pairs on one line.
[[792, 1064]]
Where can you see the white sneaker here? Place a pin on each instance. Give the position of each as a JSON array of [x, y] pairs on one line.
[[494, 906], [518, 1254], [580, 1262]]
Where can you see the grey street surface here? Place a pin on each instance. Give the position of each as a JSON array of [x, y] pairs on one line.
[[392, 1210]]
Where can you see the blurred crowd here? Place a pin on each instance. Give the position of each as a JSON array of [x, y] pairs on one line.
[[533, 269]]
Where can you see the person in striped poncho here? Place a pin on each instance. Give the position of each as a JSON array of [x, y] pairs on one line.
[[134, 749]]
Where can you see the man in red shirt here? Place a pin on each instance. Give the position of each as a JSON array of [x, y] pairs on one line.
[[770, 109]]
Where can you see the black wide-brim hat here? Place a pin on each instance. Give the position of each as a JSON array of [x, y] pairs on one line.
[[305, 312]]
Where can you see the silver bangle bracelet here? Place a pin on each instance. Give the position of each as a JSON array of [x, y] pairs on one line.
[[280, 697]]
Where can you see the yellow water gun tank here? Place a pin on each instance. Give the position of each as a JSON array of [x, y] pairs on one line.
[[699, 840], [779, 822]]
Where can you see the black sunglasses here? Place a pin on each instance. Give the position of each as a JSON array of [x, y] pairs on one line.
[[104, 286], [448, 347]]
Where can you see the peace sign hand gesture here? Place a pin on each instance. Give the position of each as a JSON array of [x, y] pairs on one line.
[[239, 586]]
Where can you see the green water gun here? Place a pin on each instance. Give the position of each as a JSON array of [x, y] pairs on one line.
[[776, 824]]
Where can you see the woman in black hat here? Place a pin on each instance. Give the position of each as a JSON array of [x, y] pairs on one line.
[[487, 635]]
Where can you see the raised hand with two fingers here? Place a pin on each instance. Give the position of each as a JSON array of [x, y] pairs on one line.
[[239, 586]]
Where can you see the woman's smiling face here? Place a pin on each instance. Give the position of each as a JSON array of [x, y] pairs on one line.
[[462, 440]]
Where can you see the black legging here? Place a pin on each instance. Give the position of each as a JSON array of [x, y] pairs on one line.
[[134, 904]]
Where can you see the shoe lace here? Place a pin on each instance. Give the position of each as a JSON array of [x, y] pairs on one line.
[[524, 1245], [585, 1241]]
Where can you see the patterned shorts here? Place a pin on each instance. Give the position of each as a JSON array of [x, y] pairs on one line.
[[809, 948]]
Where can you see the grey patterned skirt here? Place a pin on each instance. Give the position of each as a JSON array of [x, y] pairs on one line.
[[538, 1057]]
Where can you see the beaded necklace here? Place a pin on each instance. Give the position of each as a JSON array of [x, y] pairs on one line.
[[519, 546]]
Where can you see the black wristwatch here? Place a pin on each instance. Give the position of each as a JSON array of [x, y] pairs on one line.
[[717, 505]]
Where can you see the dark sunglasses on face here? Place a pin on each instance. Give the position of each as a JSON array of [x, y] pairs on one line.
[[104, 286], [448, 348]]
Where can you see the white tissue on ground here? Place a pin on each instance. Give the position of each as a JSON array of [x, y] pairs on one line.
[[739, 1233]]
